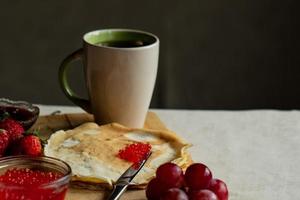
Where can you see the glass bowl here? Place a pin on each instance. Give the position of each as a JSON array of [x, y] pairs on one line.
[[53, 190]]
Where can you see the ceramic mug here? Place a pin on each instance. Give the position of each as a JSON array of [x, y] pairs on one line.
[[120, 68]]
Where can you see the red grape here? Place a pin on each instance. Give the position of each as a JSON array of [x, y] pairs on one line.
[[202, 195], [155, 189], [197, 176], [174, 194], [170, 175], [219, 188]]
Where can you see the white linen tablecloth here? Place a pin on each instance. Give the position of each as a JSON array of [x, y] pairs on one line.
[[257, 153]]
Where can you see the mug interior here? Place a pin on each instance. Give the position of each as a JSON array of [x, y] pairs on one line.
[[119, 35]]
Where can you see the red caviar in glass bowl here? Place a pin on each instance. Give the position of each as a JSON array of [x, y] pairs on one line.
[[33, 178]]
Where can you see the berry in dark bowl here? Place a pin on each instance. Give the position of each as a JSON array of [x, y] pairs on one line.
[[23, 112]]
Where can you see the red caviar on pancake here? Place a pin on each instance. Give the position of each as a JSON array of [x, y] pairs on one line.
[[135, 152]]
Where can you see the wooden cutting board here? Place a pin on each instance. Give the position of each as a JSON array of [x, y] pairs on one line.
[[51, 123]]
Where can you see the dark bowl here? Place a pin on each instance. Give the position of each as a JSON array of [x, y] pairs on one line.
[[22, 111]]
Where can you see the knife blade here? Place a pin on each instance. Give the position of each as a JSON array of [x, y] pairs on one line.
[[125, 179]]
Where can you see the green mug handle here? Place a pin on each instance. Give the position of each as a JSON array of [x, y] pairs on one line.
[[64, 84]]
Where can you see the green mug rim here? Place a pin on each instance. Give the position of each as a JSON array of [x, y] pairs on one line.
[[143, 34]]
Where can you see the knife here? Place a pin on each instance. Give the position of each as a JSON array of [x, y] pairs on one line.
[[125, 179]]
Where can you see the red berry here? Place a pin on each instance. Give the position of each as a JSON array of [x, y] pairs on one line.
[[174, 194], [4, 141], [155, 189], [15, 148], [31, 145], [170, 175], [14, 128], [202, 195], [219, 188], [197, 176]]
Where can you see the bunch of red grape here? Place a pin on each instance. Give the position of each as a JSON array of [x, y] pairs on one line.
[[196, 184]]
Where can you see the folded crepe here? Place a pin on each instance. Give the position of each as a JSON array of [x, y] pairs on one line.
[[91, 151]]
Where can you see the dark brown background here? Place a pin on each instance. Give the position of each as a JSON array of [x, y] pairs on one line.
[[215, 54]]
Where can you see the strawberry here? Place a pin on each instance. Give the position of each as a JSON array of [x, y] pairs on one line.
[[14, 148], [31, 145], [4, 141], [14, 128]]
